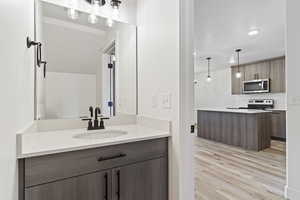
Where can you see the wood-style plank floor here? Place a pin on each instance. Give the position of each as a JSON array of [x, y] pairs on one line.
[[229, 173]]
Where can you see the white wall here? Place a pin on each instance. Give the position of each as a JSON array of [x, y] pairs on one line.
[[127, 8], [16, 86], [293, 100], [159, 75], [69, 95], [126, 70], [217, 93]]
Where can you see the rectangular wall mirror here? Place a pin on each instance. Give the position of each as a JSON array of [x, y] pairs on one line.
[[87, 65]]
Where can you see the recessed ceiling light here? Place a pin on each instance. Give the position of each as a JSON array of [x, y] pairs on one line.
[[253, 32]]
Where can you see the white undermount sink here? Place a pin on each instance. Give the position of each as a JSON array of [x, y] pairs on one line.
[[101, 134]]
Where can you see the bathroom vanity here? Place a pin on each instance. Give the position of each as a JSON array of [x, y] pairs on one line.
[[128, 167], [130, 171]]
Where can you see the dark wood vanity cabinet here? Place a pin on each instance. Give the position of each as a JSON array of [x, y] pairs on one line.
[[93, 186], [146, 180], [132, 171]]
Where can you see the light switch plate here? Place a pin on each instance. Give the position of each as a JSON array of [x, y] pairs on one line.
[[166, 100]]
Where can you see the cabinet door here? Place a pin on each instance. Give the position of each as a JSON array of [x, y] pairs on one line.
[[263, 70], [237, 83], [142, 181], [259, 70], [277, 75], [250, 71], [95, 186], [278, 121]]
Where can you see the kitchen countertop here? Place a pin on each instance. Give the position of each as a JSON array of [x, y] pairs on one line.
[[51, 142], [245, 111]]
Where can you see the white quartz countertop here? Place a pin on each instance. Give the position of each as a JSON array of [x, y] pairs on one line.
[[51, 142], [246, 111]]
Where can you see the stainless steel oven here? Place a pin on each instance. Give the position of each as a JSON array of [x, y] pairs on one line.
[[256, 86]]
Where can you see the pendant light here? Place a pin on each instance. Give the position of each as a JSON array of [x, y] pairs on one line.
[[208, 79], [238, 74]]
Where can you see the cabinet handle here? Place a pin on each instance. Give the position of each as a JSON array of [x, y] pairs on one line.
[[111, 157], [106, 186], [118, 184]]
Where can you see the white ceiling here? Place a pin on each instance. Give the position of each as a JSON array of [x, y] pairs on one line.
[[221, 26]]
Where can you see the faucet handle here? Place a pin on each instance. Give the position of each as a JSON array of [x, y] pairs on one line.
[[103, 118], [91, 111], [102, 122]]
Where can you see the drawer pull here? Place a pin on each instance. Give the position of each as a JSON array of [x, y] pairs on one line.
[[121, 155]]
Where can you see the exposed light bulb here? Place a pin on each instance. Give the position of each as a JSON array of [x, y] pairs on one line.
[[93, 19], [116, 12], [109, 22], [238, 75], [72, 13], [208, 79]]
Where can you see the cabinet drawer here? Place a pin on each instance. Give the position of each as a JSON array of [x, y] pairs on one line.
[[45, 169]]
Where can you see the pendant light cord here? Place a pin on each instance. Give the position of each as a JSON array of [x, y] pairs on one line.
[[238, 58], [208, 66]]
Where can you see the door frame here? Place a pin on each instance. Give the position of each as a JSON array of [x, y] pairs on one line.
[[186, 99]]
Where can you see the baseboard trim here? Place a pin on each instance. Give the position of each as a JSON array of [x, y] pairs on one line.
[[291, 193]]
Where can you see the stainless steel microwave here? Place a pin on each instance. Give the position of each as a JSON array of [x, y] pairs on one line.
[[256, 86]]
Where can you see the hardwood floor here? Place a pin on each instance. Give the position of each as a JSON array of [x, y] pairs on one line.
[[229, 173]]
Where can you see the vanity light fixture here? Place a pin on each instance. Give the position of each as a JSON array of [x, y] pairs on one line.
[[109, 22], [97, 2], [238, 74], [208, 79], [93, 19], [115, 4]]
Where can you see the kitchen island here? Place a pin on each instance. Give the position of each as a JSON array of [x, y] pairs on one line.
[[249, 129]]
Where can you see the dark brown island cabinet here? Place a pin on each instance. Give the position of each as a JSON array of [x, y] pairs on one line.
[[249, 130], [278, 124], [132, 171]]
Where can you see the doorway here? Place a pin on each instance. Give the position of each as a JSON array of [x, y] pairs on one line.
[[109, 80], [224, 168]]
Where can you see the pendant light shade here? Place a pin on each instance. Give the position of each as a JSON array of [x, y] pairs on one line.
[[208, 79], [238, 74]]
